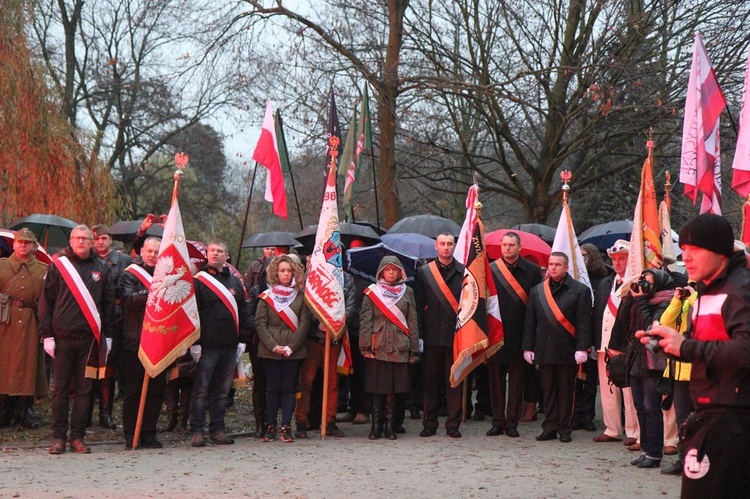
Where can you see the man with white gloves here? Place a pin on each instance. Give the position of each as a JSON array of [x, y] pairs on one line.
[[556, 337], [225, 331], [76, 324]]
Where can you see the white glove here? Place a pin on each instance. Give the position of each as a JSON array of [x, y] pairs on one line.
[[195, 353], [109, 345], [528, 356], [279, 350], [581, 356], [49, 346], [287, 351], [240, 350]]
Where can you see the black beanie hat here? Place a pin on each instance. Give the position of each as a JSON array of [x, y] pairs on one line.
[[708, 231]]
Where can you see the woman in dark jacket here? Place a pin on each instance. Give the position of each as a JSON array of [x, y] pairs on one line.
[[643, 306], [389, 340], [282, 321]]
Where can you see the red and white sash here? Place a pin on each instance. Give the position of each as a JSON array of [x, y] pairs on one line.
[[286, 314], [614, 300], [223, 293], [141, 274], [392, 312], [81, 293]]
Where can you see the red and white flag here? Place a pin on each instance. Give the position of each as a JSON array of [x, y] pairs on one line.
[[267, 154], [463, 244], [700, 164], [171, 322], [324, 286]]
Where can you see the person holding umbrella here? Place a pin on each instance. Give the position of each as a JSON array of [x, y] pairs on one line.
[[389, 341]]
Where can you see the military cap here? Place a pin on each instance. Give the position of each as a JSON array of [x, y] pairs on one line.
[[24, 234]]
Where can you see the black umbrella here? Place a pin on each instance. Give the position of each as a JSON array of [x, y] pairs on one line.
[[427, 225], [275, 238], [126, 230], [545, 232], [50, 230], [349, 232], [364, 262]]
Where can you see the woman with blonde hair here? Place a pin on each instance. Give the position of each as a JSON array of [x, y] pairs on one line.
[[282, 321]]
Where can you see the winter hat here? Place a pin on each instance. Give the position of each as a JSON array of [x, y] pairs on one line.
[[710, 232]]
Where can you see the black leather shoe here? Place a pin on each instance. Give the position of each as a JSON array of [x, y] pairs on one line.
[[576, 426], [546, 435], [399, 429], [638, 460], [428, 432], [512, 432], [415, 414], [565, 439], [675, 469], [589, 426], [453, 433], [649, 463], [151, 443], [495, 431]]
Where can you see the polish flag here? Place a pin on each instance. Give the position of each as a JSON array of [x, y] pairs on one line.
[[267, 154], [700, 165]]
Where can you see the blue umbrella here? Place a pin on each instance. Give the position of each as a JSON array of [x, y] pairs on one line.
[[605, 235], [411, 244], [364, 262]]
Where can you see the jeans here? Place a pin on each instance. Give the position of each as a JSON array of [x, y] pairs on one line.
[[211, 383], [71, 383], [281, 386], [648, 406]]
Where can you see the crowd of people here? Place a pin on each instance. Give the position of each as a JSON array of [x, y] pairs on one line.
[[685, 347]]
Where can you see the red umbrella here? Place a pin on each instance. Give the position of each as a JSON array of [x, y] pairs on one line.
[[532, 247]]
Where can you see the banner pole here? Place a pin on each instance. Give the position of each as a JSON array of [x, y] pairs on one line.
[[141, 407], [247, 213], [324, 412]]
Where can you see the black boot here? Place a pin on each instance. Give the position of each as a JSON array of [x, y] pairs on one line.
[[388, 430], [171, 401], [7, 410], [376, 430], [106, 403], [24, 414]]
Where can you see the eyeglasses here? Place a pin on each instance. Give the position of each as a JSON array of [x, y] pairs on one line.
[[80, 238], [617, 248]]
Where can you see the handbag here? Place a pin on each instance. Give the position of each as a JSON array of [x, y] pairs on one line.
[[618, 370], [5, 308]]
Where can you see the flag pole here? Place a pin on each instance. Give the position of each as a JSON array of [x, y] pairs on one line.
[[289, 165], [247, 212], [180, 160], [375, 184], [326, 359]]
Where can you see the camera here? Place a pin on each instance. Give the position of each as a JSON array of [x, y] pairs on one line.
[[641, 284], [684, 293], [653, 342]]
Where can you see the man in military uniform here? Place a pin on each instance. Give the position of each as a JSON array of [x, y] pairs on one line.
[[21, 360], [105, 387]]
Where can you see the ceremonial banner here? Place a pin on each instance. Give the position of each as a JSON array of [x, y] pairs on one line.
[[171, 322], [479, 326], [566, 242], [324, 286], [464, 242], [700, 164], [267, 154]]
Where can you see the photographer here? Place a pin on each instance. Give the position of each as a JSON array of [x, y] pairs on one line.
[[645, 303], [717, 435], [678, 373]]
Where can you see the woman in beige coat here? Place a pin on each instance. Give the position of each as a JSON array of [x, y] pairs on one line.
[[282, 321], [389, 340]]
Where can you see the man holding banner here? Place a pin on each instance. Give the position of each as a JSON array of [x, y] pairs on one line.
[[76, 313], [225, 331], [437, 290], [134, 285], [556, 337]]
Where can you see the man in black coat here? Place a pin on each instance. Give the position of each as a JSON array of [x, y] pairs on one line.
[[133, 287], [514, 278], [437, 290], [557, 337]]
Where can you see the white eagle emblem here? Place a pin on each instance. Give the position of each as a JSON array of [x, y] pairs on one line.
[[167, 285]]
